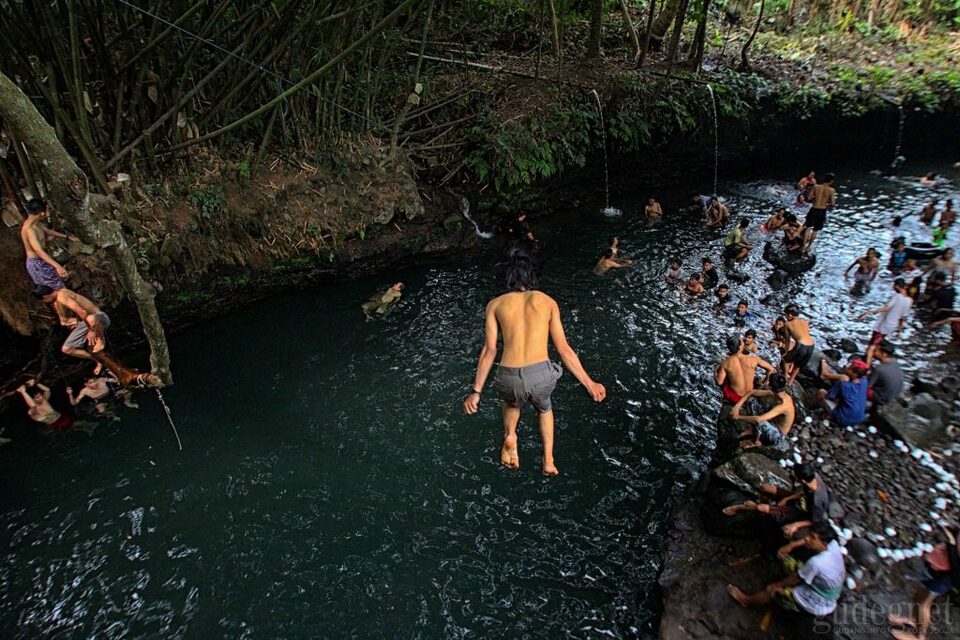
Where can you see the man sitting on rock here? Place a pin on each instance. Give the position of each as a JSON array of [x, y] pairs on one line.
[[886, 379], [847, 399], [813, 586], [795, 510], [771, 428], [736, 374]]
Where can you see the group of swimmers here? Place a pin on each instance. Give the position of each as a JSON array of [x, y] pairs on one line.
[[87, 324]]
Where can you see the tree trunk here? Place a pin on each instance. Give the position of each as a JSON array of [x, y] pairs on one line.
[[628, 21], [413, 99], [85, 212], [675, 37], [664, 20], [647, 32], [700, 39], [554, 29], [744, 62], [596, 23]]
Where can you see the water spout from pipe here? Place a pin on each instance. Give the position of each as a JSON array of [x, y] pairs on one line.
[[607, 210], [716, 138]]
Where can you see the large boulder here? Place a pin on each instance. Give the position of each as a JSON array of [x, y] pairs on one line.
[[791, 263], [910, 426], [749, 470]]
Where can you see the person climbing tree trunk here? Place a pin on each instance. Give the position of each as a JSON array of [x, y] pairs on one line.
[[596, 22], [744, 62], [87, 213], [631, 32]]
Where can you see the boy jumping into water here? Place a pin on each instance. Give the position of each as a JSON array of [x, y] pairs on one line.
[[527, 318]]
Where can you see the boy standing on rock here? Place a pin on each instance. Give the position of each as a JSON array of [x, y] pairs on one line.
[[824, 199], [799, 331]]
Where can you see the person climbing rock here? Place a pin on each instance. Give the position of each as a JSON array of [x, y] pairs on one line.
[[34, 234], [527, 318], [381, 304]]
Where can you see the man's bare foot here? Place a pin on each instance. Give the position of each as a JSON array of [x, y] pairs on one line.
[[737, 595], [901, 620], [508, 454], [98, 346], [550, 469], [97, 370]]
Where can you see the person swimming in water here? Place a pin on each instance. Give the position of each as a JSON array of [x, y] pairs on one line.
[[674, 274], [776, 220], [948, 216], [929, 211], [867, 267], [708, 274], [929, 180], [607, 261], [381, 304], [653, 210], [37, 398], [92, 398], [527, 319], [742, 314], [805, 188], [694, 285], [799, 355], [717, 213], [723, 296], [736, 374], [898, 258]]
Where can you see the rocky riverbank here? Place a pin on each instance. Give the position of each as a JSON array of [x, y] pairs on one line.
[[892, 482]]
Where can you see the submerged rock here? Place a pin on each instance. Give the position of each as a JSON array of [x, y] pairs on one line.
[[790, 263]]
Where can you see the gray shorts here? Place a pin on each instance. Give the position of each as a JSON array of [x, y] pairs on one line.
[[533, 383], [78, 337]]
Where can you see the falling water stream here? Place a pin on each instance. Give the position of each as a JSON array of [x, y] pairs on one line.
[[465, 211], [331, 487], [897, 158], [607, 209]]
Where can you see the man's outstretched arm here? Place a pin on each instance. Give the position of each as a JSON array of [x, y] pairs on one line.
[[570, 359], [488, 354]]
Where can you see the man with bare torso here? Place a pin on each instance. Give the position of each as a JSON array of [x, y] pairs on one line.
[[737, 372], [527, 318], [41, 266], [772, 427], [87, 322], [799, 331]]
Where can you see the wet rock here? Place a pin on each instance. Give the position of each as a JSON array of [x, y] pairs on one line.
[[924, 384], [926, 406], [864, 552], [790, 263], [910, 427], [837, 512], [832, 354], [749, 470], [849, 346]]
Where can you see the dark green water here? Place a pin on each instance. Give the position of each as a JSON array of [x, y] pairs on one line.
[[330, 487]]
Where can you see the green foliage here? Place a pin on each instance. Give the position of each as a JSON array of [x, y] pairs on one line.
[[208, 200], [243, 172]]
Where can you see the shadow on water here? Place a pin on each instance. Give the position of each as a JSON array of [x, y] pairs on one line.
[[329, 485]]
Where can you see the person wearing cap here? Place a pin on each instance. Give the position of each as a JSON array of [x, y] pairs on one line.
[[799, 355], [813, 586], [892, 316], [41, 266], [886, 378], [736, 374], [847, 398]]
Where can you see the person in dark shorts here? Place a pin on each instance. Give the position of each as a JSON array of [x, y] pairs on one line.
[[824, 199], [939, 575], [799, 331]]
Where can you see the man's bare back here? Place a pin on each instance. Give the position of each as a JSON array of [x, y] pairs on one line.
[[740, 372], [523, 317], [799, 330]]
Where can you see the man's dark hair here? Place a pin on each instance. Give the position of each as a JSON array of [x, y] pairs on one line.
[[823, 531], [899, 283], [612, 239], [522, 269], [750, 332], [829, 177], [790, 217], [778, 382], [706, 260], [608, 253], [744, 222], [733, 344], [34, 206], [723, 285], [791, 310], [40, 291], [677, 260], [943, 254], [897, 220], [887, 347], [743, 302], [805, 472]]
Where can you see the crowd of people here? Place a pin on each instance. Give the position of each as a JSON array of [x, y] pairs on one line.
[[87, 336]]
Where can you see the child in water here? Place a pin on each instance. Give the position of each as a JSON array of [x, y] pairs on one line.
[[674, 275], [694, 285]]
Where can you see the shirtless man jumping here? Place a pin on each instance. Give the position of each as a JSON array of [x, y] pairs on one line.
[[526, 317], [87, 322], [737, 372], [43, 269], [799, 330]]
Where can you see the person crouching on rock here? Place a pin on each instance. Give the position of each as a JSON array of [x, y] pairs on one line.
[[847, 399], [769, 429], [735, 246], [808, 506], [813, 586]]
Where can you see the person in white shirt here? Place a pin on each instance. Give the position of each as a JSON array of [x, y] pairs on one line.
[[892, 316]]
